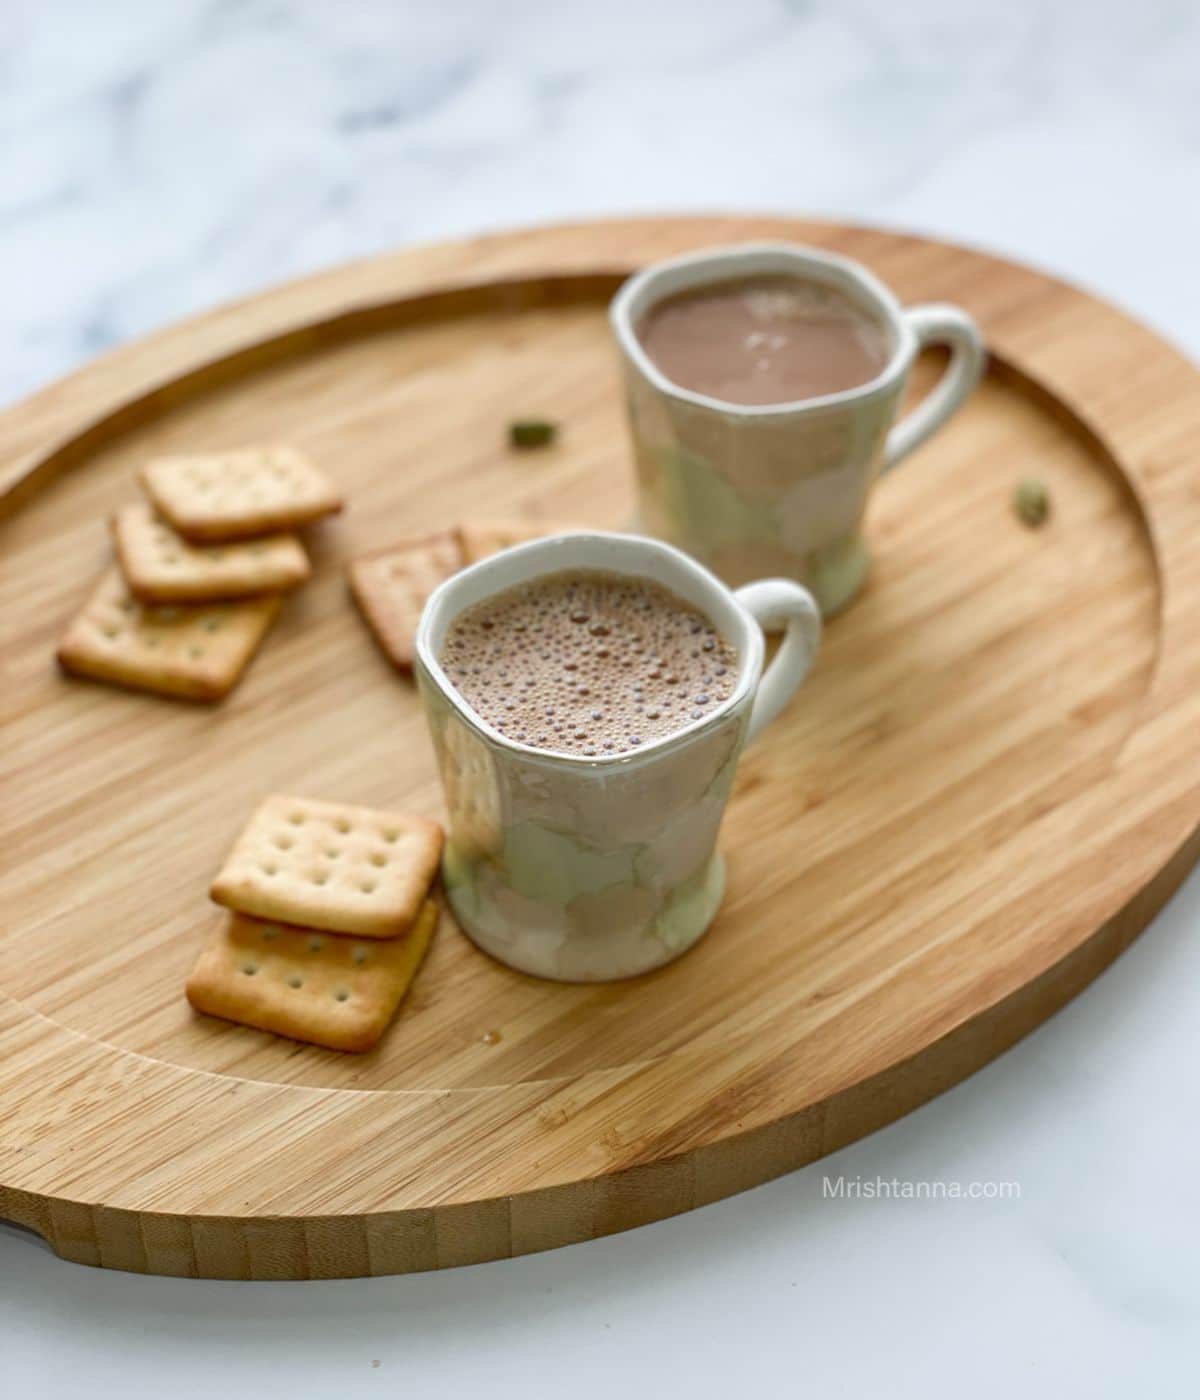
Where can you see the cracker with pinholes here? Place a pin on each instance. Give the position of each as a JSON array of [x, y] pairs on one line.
[[307, 985], [237, 494], [392, 586], [331, 866], [188, 650], [482, 541], [160, 566]]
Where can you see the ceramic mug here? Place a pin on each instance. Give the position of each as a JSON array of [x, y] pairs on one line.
[[588, 869], [781, 488]]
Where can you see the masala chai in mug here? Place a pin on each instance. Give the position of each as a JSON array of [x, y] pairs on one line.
[[763, 385]]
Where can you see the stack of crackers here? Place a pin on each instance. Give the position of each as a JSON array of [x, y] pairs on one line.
[[331, 918], [391, 586], [202, 567]]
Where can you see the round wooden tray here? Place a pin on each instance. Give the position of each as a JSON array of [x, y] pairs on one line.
[[987, 788]]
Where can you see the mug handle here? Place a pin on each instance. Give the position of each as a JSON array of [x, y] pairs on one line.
[[775, 603], [938, 325]]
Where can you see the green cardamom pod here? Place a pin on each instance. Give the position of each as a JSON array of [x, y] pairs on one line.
[[532, 432], [1031, 501]]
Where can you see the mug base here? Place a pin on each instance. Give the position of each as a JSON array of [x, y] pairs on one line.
[[556, 957], [834, 575], [839, 575]]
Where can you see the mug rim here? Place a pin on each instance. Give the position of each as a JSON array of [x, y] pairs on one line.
[[507, 565], [705, 260]]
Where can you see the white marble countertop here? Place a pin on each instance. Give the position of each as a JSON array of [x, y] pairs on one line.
[[160, 157]]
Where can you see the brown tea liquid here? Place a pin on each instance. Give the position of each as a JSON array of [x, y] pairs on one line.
[[764, 340], [587, 662]]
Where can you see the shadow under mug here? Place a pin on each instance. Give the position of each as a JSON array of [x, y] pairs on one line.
[[781, 488], [588, 869]]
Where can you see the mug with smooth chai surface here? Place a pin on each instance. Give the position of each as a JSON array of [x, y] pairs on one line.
[[589, 696], [763, 385]]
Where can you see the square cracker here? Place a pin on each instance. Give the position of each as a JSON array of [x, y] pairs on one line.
[[232, 495], [392, 586], [331, 866], [482, 541], [194, 651], [319, 987], [160, 566]]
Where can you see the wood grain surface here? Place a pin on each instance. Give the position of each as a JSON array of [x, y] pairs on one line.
[[989, 785]]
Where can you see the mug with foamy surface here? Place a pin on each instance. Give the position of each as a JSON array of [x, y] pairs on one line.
[[589, 696], [763, 383]]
